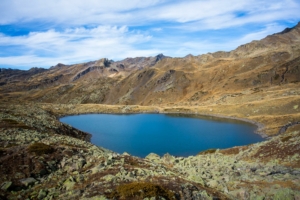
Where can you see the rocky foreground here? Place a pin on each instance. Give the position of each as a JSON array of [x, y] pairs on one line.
[[41, 158]]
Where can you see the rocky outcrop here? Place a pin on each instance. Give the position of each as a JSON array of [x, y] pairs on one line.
[[158, 58], [85, 71], [285, 127], [59, 65], [286, 30], [166, 76]]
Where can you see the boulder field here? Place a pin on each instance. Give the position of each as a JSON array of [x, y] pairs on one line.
[[42, 158]]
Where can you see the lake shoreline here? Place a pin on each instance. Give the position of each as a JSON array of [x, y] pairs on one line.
[[260, 126], [258, 131], [91, 124]]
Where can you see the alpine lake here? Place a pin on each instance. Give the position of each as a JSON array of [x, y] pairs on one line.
[[176, 134]]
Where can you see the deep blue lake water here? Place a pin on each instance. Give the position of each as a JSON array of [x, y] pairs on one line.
[[179, 135]]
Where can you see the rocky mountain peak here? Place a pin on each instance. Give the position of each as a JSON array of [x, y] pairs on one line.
[[59, 65], [104, 62], [286, 30], [159, 57]]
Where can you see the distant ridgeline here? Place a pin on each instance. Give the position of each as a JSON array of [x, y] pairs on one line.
[[243, 75]]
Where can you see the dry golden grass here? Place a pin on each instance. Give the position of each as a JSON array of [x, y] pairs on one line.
[[208, 151], [141, 190], [40, 148], [10, 123]]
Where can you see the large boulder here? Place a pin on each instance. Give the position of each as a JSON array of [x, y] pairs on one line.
[[6, 185], [153, 157], [28, 181]]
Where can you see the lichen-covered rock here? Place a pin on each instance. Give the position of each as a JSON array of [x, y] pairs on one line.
[[212, 183], [42, 194], [153, 157], [286, 194], [28, 181], [240, 194], [69, 183], [6, 185]]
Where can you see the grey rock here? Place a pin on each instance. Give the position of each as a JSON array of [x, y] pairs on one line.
[[126, 154], [69, 184], [28, 181], [153, 157], [81, 163], [212, 183], [6, 185], [168, 158], [240, 194], [109, 178], [42, 194]]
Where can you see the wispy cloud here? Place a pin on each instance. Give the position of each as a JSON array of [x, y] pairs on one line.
[[230, 14], [82, 30], [79, 12], [118, 12], [233, 42], [72, 45]]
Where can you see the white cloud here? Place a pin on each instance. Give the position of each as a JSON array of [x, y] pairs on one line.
[[72, 12], [207, 13], [77, 45], [228, 14], [198, 10], [258, 35], [73, 45], [198, 46]]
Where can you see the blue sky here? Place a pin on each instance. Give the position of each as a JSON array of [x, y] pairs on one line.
[[35, 33]]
